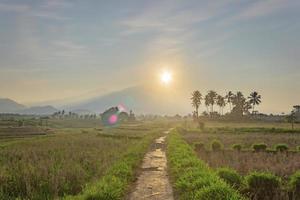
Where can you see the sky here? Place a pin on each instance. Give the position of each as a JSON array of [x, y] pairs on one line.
[[63, 49]]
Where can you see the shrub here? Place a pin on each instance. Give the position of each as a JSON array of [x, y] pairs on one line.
[[298, 148], [216, 192], [263, 185], [281, 147], [199, 146], [216, 145], [192, 177], [230, 176], [294, 185], [259, 147], [237, 147]]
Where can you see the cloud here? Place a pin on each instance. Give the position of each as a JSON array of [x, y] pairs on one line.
[[13, 7]]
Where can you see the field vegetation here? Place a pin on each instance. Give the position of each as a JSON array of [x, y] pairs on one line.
[[192, 178], [261, 162], [73, 161]]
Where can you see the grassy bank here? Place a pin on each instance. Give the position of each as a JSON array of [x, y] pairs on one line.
[[115, 182], [191, 177]]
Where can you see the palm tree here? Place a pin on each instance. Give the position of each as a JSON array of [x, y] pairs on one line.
[[221, 103], [292, 118], [246, 107], [212, 96], [206, 102], [196, 101], [229, 97], [238, 101], [254, 99]]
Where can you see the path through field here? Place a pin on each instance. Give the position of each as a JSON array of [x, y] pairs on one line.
[[153, 182]]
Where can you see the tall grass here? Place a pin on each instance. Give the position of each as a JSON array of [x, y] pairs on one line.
[[115, 182], [192, 179], [62, 165]]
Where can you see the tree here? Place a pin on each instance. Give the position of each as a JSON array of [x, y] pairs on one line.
[[238, 102], [206, 102], [196, 101], [221, 103], [212, 97], [297, 108], [292, 118], [246, 107], [229, 97], [254, 99]]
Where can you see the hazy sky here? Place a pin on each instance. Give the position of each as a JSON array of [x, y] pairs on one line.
[[57, 49]]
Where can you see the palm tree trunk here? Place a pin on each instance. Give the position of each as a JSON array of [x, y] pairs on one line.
[[253, 109]]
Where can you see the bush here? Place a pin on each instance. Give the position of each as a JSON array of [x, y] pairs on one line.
[[263, 185], [216, 145], [259, 147], [298, 148], [294, 185], [199, 146], [192, 177], [230, 176], [281, 147], [237, 147]]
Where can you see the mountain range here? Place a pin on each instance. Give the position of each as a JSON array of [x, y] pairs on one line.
[[140, 99], [11, 106]]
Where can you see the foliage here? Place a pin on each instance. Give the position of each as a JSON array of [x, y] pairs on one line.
[[196, 101], [192, 177], [199, 146], [263, 185], [259, 147], [113, 185], [50, 167], [281, 147], [294, 185], [230, 176], [254, 99], [216, 145], [237, 147]]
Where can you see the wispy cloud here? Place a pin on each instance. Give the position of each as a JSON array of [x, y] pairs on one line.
[[5, 7]]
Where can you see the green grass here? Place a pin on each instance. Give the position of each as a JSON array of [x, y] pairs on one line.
[[73, 161], [192, 178], [113, 184]]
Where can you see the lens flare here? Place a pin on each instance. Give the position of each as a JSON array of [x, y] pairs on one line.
[[113, 119]]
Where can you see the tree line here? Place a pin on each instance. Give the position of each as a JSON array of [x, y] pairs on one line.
[[237, 102]]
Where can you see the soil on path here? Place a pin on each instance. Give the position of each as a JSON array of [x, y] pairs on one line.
[[153, 182]]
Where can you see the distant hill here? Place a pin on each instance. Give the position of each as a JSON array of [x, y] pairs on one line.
[[142, 100], [10, 106], [39, 110]]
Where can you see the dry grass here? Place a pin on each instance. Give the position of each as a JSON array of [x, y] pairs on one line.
[[281, 164], [245, 139], [49, 167]]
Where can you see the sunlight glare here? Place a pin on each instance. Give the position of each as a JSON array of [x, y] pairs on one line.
[[166, 77]]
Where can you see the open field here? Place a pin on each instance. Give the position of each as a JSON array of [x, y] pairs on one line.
[[60, 164], [215, 146]]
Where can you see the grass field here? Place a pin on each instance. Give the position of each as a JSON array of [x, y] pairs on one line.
[[217, 146], [80, 159], [69, 161]]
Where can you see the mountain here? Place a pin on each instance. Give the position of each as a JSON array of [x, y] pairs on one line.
[[140, 99], [38, 110], [10, 106]]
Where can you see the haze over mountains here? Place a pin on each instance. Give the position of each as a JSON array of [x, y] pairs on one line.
[[11, 106], [140, 99]]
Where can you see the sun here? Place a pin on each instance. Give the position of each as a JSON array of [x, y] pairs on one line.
[[166, 77]]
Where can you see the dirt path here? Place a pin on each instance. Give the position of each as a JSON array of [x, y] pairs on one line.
[[153, 182]]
